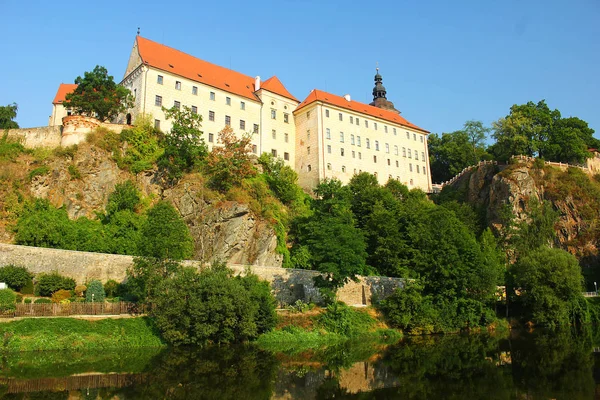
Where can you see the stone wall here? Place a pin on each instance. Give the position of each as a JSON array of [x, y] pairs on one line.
[[77, 127], [288, 285], [44, 136]]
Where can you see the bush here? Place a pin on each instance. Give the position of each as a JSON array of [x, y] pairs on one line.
[[74, 172], [42, 301], [28, 288], [15, 277], [343, 320], [60, 295], [43, 170], [8, 299], [28, 300], [50, 283], [111, 288], [19, 298], [95, 292], [260, 293], [80, 290]]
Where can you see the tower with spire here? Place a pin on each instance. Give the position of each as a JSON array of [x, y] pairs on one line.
[[379, 95]]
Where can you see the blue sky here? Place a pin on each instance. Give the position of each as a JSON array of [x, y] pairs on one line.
[[442, 62]]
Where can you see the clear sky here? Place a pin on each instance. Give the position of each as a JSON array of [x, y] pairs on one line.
[[443, 62]]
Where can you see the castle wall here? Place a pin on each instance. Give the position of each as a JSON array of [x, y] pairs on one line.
[[288, 285], [44, 136]]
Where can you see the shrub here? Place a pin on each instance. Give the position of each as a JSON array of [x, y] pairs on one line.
[[260, 293], [95, 292], [42, 301], [8, 299], [28, 288], [50, 283], [10, 148], [60, 295], [15, 277], [111, 287], [343, 320], [19, 298], [74, 172], [80, 290], [39, 171], [28, 300], [68, 152]]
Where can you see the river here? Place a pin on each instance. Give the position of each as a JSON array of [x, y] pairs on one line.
[[539, 365]]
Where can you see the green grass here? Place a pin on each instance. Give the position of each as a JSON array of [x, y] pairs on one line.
[[293, 340], [74, 334]]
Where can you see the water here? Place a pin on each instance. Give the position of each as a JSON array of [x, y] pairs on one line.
[[525, 366]]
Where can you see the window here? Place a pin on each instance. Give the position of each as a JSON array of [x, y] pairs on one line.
[[286, 156], [194, 110], [341, 117], [421, 136], [308, 134], [353, 154], [423, 155], [212, 96], [157, 124], [135, 93], [394, 130], [342, 137], [273, 134], [366, 123], [409, 153], [407, 135], [308, 168], [242, 105], [274, 152], [342, 152], [329, 167], [418, 172], [159, 79], [356, 121], [389, 161], [416, 155], [227, 120], [377, 145], [308, 150], [387, 148], [195, 90], [411, 182], [286, 137], [211, 115], [358, 141], [359, 155], [177, 85], [375, 125], [158, 101], [352, 140], [328, 133], [368, 143], [273, 114], [415, 137], [228, 101], [343, 168], [286, 118], [327, 113], [211, 137], [254, 149], [424, 172], [177, 104], [397, 164], [307, 114], [255, 128], [329, 149], [395, 150], [374, 159], [351, 119], [385, 128], [410, 167], [242, 124], [404, 152]]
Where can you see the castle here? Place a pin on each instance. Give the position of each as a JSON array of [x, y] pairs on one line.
[[324, 136]]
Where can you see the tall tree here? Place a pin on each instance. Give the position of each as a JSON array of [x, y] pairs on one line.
[[7, 114], [165, 235], [97, 95], [230, 163]]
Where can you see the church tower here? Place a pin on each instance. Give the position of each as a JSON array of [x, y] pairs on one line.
[[379, 95]]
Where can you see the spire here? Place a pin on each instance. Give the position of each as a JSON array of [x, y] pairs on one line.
[[379, 89]]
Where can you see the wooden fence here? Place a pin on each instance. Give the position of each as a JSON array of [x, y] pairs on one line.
[[63, 310], [68, 383]]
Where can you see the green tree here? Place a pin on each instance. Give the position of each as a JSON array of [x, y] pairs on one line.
[[7, 114], [550, 286], [282, 179], [124, 197], [95, 292], [143, 147], [184, 145], [52, 282], [537, 230], [165, 235], [229, 164], [15, 277], [97, 95]]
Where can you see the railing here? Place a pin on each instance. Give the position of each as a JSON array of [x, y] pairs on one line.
[[63, 310], [465, 170], [590, 294]]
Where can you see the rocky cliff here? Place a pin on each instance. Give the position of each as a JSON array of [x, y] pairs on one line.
[[81, 179], [571, 191]]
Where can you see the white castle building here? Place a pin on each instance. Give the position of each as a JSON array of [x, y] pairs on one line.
[[324, 136]]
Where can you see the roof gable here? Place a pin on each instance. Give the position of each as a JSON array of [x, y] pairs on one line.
[[274, 85], [339, 101], [63, 90]]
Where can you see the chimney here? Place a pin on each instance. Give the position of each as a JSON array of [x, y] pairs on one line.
[[256, 83], [347, 97]]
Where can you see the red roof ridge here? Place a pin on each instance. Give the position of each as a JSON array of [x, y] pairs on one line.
[[63, 90], [339, 101], [273, 84]]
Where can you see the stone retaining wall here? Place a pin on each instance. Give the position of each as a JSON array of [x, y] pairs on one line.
[[288, 285]]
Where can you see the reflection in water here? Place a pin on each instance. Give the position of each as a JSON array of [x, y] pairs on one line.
[[540, 365]]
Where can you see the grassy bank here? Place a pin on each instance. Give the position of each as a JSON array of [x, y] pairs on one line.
[[75, 334]]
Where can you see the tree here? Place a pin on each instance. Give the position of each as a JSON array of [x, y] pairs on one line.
[[165, 235], [282, 179], [229, 164], [95, 292], [124, 198], [184, 145], [97, 95], [7, 114], [550, 286], [15, 277]]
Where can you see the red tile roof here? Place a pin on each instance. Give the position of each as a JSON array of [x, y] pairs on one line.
[[63, 89], [339, 101], [179, 63], [274, 85]]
